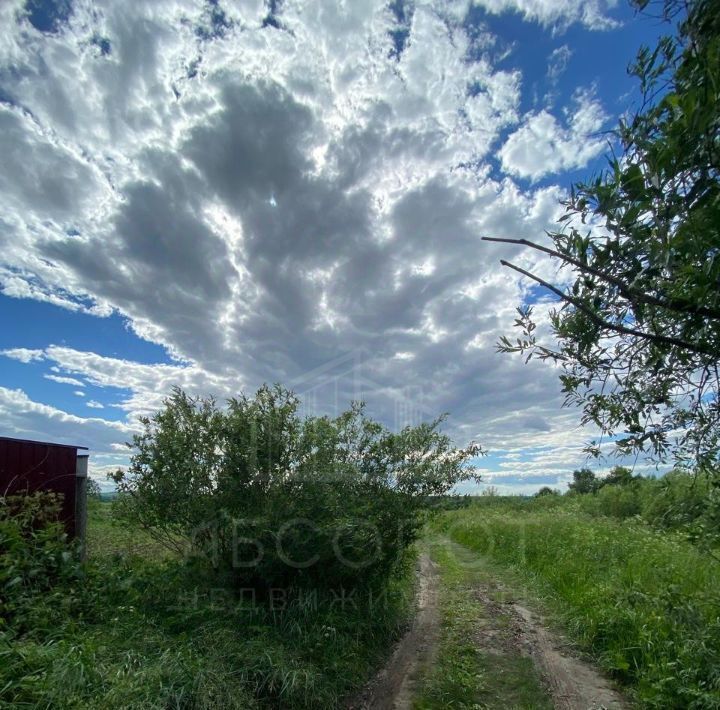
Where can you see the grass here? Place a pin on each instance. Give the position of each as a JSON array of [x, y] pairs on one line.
[[477, 665], [141, 629], [646, 604], [136, 627], [107, 537]]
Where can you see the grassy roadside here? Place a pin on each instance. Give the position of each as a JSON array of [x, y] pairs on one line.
[[645, 604], [138, 628], [477, 665]]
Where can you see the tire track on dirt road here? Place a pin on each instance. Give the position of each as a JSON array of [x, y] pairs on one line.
[[395, 686], [504, 628]]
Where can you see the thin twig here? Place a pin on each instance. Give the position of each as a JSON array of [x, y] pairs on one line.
[[616, 327], [631, 294]]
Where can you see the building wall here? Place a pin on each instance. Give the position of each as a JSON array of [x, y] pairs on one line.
[[29, 466]]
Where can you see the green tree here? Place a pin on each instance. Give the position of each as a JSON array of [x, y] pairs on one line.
[[619, 476], [274, 499], [547, 491], [583, 482], [93, 489], [638, 329]]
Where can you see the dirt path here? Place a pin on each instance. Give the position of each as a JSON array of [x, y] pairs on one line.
[[573, 683], [505, 630], [395, 686]]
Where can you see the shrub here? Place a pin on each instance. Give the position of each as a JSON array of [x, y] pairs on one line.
[[584, 482], [547, 491], [93, 489], [686, 502], [619, 476], [34, 550], [272, 499], [615, 501], [30, 512]]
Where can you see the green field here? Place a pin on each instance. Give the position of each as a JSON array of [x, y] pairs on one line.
[[137, 627]]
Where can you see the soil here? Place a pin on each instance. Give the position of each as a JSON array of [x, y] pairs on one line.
[[394, 687], [572, 682]]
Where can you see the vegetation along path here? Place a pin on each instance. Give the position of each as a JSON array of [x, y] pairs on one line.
[[475, 645]]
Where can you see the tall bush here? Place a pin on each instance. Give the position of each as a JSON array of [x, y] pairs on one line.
[[687, 502], [274, 499]]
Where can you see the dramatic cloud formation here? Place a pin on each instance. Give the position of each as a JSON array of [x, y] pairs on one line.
[[286, 192]]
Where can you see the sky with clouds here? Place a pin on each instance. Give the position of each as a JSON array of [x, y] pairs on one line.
[[216, 194]]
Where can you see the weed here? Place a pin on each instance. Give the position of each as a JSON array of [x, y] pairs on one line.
[[141, 629]]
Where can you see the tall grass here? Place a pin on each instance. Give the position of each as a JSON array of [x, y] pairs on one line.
[[133, 629], [645, 603]]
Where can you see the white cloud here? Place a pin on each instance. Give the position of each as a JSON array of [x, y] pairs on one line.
[[65, 380], [541, 146], [266, 202], [558, 14], [26, 418], [23, 354], [558, 62], [147, 385]]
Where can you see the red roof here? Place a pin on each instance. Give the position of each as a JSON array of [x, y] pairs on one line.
[[44, 443]]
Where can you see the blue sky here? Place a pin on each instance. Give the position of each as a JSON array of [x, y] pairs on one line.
[[216, 195]]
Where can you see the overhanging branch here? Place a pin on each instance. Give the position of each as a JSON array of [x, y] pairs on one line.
[[631, 294], [615, 327]]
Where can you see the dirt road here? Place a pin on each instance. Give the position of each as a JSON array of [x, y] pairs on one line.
[[396, 684], [504, 630]]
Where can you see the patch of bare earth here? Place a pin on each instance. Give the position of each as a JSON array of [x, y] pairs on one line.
[[573, 683], [395, 686]]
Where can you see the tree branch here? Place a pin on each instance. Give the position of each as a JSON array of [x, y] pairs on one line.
[[616, 327], [631, 294]]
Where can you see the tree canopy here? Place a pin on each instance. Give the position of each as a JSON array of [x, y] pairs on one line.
[[638, 327], [583, 482]]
